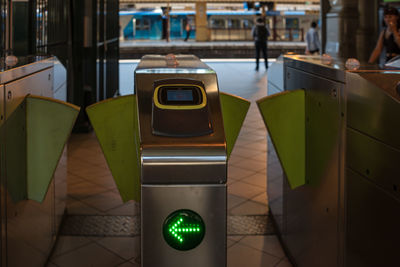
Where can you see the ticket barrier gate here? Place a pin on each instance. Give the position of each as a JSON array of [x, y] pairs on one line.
[[181, 132], [32, 143], [334, 191]]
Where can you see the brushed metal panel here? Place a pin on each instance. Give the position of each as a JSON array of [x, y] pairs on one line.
[[59, 81], [384, 80], [275, 187], [3, 248], [276, 76], [30, 230], [374, 160], [373, 221], [372, 110], [144, 88], [312, 210], [2, 105], [25, 66], [60, 190], [180, 166], [314, 65], [40, 83], [60, 76], [29, 224], [209, 201], [185, 63], [170, 159]]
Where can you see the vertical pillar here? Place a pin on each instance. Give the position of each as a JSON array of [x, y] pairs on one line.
[[341, 28], [367, 33], [263, 11], [202, 33], [325, 6], [167, 38]]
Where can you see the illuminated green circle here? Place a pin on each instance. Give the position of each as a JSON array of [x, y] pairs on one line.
[[184, 229]]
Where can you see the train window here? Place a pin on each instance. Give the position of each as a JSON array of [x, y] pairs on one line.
[[233, 23], [217, 23], [143, 24], [292, 23], [247, 23], [146, 24], [138, 24]]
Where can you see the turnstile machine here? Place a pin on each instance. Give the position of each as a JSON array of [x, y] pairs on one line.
[[33, 185], [345, 209], [183, 164], [176, 134]]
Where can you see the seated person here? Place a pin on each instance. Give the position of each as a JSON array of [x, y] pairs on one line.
[[389, 37]]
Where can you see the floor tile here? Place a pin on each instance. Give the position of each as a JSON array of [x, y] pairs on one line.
[[244, 190], [269, 244], [106, 181], [84, 189], [230, 243], [129, 264], [254, 165], [245, 152], [249, 208], [234, 201], [239, 173], [125, 247], [77, 207], [260, 157], [136, 260], [94, 172], [284, 263], [104, 201], [73, 179], [261, 198], [130, 208], [258, 179], [240, 256], [89, 255], [235, 159], [68, 243], [76, 166], [236, 238]]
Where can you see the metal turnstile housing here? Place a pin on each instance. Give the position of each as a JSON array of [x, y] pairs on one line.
[[186, 171], [28, 228], [347, 212]]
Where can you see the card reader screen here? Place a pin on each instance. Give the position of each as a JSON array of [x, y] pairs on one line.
[[179, 95]]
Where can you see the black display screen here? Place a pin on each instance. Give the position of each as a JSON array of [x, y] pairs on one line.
[[180, 95]]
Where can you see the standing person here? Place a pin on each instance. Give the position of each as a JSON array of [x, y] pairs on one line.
[[260, 35], [389, 37], [312, 38], [188, 29]]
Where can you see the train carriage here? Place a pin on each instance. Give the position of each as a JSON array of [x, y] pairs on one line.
[[223, 25]]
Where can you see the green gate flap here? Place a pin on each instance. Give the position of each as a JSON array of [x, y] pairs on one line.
[[49, 122], [284, 116], [234, 110], [115, 122]]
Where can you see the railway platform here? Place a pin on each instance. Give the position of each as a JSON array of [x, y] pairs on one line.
[[216, 49]]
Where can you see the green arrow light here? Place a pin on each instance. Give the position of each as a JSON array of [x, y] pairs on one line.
[[183, 229]]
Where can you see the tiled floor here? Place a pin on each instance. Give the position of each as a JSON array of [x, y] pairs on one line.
[[91, 189]]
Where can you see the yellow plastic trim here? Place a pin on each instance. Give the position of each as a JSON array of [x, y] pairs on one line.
[[182, 107]]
